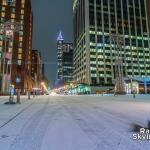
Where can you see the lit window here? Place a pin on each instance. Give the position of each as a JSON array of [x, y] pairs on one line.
[[19, 62], [21, 22], [22, 17], [22, 1], [21, 27], [13, 10], [19, 56], [1, 43], [12, 15], [22, 5], [4, 2], [10, 50], [20, 39], [22, 11], [20, 44], [20, 50], [21, 33], [3, 14], [3, 8]]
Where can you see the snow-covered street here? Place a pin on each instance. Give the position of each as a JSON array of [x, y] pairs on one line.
[[73, 123]]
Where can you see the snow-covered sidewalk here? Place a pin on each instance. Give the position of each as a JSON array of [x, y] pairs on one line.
[[74, 123], [9, 112]]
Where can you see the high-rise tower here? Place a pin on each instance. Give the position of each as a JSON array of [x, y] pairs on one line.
[[95, 21], [19, 11], [65, 61]]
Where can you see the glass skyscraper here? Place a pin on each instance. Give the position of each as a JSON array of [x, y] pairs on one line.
[[95, 54], [65, 61]]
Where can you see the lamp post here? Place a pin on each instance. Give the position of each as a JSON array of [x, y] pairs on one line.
[[119, 80], [8, 29]]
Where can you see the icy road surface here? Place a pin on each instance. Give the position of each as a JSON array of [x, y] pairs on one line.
[[73, 123]]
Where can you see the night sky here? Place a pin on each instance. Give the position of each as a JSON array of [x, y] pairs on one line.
[[51, 16]]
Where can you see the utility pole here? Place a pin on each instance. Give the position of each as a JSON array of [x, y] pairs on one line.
[[118, 41]]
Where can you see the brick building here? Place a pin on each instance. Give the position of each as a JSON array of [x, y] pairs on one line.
[[20, 47]]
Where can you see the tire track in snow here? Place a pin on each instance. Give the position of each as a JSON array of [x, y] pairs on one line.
[[14, 117], [34, 130], [100, 132]]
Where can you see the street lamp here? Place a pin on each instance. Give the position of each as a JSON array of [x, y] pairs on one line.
[[119, 83], [8, 29]]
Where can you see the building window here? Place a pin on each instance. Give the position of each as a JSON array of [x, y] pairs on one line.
[[22, 17], [19, 56], [1, 43], [10, 50], [21, 33], [19, 62], [3, 8], [20, 39], [4, 2], [3, 14], [20, 50], [20, 44], [13, 10], [22, 11], [12, 15], [21, 22], [22, 1]]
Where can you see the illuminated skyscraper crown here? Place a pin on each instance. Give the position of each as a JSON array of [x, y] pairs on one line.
[[60, 37]]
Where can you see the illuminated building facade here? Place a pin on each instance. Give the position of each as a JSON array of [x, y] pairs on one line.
[[19, 11], [94, 53], [36, 68], [65, 61]]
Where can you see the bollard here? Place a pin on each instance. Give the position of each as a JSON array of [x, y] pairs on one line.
[[134, 95], [18, 97], [34, 94], [11, 95], [28, 95]]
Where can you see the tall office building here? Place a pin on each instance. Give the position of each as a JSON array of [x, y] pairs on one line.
[[65, 61], [95, 21], [20, 47], [36, 68]]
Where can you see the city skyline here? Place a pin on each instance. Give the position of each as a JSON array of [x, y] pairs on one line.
[[46, 29], [74, 74]]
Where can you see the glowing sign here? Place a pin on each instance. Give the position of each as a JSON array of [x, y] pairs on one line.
[[60, 37]]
